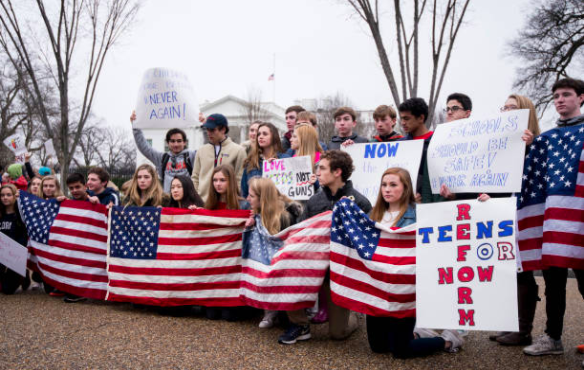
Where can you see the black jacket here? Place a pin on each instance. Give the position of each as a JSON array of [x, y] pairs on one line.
[[336, 141], [324, 201]]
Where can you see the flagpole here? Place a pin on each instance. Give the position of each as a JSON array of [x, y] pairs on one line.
[[274, 80]]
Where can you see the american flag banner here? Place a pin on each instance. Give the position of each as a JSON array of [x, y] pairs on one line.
[[373, 268], [173, 257], [550, 211], [67, 243], [285, 271]]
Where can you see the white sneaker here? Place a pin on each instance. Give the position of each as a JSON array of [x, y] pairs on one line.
[[544, 345], [426, 333], [452, 336], [268, 320]]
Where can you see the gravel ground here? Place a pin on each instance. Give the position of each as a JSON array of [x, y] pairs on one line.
[[38, 331]]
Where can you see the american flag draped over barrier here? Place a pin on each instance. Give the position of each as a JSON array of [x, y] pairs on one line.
[[67, 243], [373, 268], [171, 257], [285, 271], [550, 212]]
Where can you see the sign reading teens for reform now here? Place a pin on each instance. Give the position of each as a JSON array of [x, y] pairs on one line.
[[479, 155], [166, 99], [466, 268]]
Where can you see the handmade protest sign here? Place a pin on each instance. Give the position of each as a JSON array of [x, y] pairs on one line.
[[291, 176], [479, 154], [466, 265], [13, 255], [166, 99], [16, 144], [371, 159]]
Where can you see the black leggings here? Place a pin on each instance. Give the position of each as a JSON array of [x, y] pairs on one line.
[[389, 334], [555, 293]]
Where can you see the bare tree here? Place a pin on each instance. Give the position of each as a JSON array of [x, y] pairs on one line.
[[116, 150], [403, 78], [93, 136], [253, 110], [549, 48], [325, 109], [93, 25]]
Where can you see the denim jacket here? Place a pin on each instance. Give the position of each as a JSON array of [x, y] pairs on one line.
[[408, 218]]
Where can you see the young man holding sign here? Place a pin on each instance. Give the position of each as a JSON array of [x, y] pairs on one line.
[[550, 221], [178, 161]]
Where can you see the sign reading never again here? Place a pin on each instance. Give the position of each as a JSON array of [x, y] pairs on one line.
[[166, 99]]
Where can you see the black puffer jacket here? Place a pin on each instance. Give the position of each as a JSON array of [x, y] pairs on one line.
[[324, 201]]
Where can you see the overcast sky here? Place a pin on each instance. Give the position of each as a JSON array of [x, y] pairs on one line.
[[228, 47]]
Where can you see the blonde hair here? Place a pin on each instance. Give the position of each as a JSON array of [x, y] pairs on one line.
[[407, 198], [523, 102], [58, 191], [13, 190], [272, 204], [307, 141], [154, 192]]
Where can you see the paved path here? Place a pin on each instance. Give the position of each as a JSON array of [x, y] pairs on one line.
[[38, 331]]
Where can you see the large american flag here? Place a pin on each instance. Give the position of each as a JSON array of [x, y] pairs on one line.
[[373, 268], [67, 243], [285, 271], [171, 257], [551, 206]]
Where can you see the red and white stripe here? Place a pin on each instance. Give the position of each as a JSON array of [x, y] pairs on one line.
[[552, 233], [74, 261], [198, 262], [383, 286], [294, 277]]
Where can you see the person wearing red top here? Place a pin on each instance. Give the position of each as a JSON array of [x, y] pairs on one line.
[[413, 114], [385, 120], [224, 194]]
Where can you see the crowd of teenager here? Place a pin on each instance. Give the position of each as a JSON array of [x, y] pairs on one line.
[[225, 175]]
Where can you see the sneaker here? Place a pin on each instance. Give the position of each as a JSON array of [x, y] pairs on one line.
[[321, 316], [73, 299], [455, 339], [268, 319], [425, 333], [544, 345], [57, 293], [294, 334]]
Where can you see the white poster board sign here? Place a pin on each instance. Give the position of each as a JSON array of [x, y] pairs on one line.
[[13, 255], [166, 99], [16, 144], [466, 271], [479, 155], [371, 159], [291, 176]]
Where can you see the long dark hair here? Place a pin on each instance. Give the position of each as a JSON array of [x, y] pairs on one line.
[[253, 159], [190, 195]]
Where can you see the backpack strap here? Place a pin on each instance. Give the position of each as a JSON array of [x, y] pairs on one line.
[[187, 159], [165, 159]]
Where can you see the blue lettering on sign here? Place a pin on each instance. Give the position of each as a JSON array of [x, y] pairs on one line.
[[171, 112], [381, 150], [164, 97]]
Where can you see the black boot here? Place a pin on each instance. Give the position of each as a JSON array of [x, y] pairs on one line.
[[527, 302]]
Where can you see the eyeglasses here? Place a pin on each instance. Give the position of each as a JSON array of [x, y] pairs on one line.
[[507, 108], [453, 109]]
